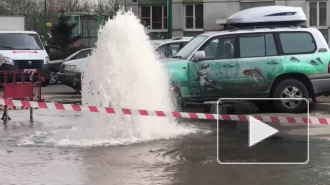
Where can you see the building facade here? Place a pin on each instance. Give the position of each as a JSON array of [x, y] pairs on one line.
[[191, 17]]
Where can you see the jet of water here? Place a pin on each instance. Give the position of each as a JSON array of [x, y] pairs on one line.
[[124, 72]]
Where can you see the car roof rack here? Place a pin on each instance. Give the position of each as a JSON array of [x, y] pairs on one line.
[[263, 26]]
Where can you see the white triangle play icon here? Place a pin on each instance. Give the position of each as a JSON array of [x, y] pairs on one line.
[[259, 131]]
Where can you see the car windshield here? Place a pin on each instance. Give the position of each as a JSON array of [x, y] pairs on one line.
[[190, 47], [20, 41]]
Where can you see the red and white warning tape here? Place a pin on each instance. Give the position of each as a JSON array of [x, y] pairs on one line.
[[204, 116]]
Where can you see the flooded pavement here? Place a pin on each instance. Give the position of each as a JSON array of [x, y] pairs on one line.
[[42, 154]]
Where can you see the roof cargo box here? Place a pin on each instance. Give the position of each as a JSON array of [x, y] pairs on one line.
[[267, 16]]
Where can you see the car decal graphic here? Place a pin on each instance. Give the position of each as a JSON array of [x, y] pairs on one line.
[[313, 63], [294, 59], [256, 75], [203, 80], [319, 60]]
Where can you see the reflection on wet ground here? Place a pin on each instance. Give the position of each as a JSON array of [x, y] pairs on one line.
[[29, 157]]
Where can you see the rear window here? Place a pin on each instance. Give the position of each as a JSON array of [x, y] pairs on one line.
[[20, 41], [297, 42]]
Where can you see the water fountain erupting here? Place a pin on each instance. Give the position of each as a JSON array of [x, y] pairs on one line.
[[124, 72]]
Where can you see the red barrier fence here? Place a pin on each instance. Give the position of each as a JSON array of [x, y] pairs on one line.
[[19, 85]]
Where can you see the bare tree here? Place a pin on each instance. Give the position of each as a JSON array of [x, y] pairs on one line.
[[4, 8], [24, 7], [63, 5], [112, 7], [86, 6]]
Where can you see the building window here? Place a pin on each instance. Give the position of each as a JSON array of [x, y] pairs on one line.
[[317, 16], [318, 13], [194, 16], [154, 17]]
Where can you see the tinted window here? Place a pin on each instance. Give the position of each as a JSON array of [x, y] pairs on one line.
[[211, 49], [297, 43], [20, 41], [219, 48], [270, 45], [259, 45]]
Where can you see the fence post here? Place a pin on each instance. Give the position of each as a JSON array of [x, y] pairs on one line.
[[31, 114], [5, 116]]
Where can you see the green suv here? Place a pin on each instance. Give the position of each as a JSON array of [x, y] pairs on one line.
[[282, 62]]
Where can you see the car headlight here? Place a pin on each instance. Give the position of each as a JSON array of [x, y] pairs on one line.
[[69, 67], [46, 60], [8, 60]]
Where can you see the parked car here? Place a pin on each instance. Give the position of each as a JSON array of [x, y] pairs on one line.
[[53, 67], [22, 50], [169, 47], [277, 60], [70, 71]]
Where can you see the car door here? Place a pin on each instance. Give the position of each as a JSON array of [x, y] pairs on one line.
[[258, 62], [214, 76]]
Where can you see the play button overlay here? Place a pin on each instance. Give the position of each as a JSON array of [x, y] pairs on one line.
[[259, 131], [255, 139]]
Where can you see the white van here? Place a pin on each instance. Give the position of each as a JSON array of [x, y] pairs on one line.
[[21, 50]]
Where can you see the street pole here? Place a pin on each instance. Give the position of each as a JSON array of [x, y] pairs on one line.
[[100, 5], [45, 24], [169, 19]]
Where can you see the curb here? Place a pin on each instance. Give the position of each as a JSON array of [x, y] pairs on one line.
[[322, 107]]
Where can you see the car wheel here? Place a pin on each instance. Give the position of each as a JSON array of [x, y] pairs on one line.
[[53, 78], [177, 99], [264, 105], [290, 88], [77, 85]]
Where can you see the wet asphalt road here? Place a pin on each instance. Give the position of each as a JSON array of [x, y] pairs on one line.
[[29, 157]]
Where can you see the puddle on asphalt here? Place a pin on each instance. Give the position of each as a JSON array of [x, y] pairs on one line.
[[29, 155]]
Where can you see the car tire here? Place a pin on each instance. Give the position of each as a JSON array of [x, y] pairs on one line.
[[264, 105], [77, 84], [177, 100], [46, 82], [53, 78], [290, 88]]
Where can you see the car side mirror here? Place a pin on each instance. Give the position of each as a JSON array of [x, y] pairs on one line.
[[199, 55]]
